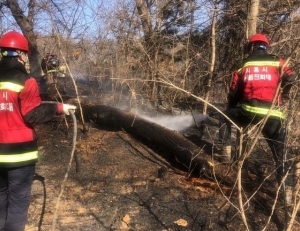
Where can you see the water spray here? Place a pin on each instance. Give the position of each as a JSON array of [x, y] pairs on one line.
[[178, 122]]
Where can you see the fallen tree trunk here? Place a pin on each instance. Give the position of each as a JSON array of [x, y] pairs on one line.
[[171, 145]]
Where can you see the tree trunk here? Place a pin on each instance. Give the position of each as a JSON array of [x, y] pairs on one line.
[[252, 18], [212, 58], [27, 27], [144, 14], [171, 145]]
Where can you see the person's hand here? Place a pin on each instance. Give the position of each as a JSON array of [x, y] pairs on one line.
[[67, 108]]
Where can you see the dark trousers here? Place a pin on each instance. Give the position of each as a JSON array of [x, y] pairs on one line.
[[15, 189], [272, 131]]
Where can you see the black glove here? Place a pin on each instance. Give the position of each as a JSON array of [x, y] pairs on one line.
[[285, 92], [286, 96]]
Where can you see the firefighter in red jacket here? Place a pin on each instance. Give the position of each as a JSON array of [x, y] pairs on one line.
[[20, 109], [252, 92]]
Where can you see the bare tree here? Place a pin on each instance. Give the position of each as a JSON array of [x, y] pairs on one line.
[[252, 18], [212, 56], [26, 24]]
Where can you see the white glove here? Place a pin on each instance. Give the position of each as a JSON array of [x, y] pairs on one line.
[[67, 108]]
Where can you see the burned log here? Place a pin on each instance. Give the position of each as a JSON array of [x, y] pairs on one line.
[[172, 146]]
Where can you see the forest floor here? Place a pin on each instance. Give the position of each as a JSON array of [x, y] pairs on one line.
[[123, 185]]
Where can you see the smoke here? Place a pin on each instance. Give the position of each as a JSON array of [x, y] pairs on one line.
[[178, 122]]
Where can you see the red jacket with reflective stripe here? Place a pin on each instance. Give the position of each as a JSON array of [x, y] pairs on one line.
[[258, 79], [20, 109]]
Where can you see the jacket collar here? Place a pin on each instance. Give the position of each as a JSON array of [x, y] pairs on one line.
[[12, 63], [258, 52]]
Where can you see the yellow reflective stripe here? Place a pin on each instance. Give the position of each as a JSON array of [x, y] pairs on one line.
[[11, 86], [260, 63], [15, 158], [50, 71], [262, 111]]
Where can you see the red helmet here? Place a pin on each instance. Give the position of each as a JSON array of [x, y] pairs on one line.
[[14, 40], [259, 38]]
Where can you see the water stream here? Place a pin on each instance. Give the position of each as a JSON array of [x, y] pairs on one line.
[[177, 122]]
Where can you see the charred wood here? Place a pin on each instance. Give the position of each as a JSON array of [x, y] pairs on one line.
[[171, 145]]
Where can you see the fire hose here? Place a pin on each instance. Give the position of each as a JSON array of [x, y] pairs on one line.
[[68, 169], [73, 153]]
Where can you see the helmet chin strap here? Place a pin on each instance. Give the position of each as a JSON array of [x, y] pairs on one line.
[[251, 49]]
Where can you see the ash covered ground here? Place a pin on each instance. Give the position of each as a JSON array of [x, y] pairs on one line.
[[123, 185]]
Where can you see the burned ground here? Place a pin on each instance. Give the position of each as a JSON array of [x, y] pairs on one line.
[[123, 184]]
